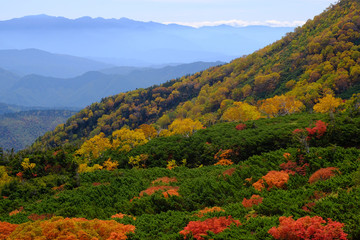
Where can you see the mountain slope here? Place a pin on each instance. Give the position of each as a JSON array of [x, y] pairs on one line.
[[320, 57], [34, 61]]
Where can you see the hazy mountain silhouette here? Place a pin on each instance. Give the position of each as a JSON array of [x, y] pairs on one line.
[[139, 42], [80, 91], [34, 61]]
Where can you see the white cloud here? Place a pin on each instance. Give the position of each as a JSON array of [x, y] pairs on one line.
[[241, 23]]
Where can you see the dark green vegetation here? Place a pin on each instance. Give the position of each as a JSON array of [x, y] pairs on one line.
[[18, 130], [59, 190]]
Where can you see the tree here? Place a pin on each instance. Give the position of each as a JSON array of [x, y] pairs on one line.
[[126, 139], [149, 131], [241, 112], [280, 106], [185, 126], [328, 104], [92, 148]]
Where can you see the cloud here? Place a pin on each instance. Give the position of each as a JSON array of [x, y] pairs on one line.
[[241, 23]]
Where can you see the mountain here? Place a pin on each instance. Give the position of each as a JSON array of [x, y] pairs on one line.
[[284, 167], [80, 91], [19, 130], [34, 61], [7, 79], [319, 58], [133, 41]]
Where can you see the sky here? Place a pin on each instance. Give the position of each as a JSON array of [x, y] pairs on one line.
[[187, 12]]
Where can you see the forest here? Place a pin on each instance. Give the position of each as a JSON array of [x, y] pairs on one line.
[[265, 147]]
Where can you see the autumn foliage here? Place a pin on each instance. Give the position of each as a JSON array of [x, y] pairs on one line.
[[272, 179], [203, 212], [199, 229], [317, 131], [71, 229], [223, 157], [323, 174], [6, 229], [254, 200], [328, 104], [315, 228]]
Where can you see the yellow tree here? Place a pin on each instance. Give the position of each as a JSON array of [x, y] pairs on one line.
[[4, 177], [93, 147], [185, 126], [126, 139], [241, 112], [149, 131], [280, 105], [328, 104]]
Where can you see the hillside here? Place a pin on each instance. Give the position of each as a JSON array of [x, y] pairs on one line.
[[80, 91], [216, 155], [19, 130], [274, 178], [125, 41], [319, 58]]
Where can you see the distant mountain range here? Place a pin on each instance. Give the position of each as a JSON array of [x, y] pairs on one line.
[[128, 42], [34, 61], [92, 86]]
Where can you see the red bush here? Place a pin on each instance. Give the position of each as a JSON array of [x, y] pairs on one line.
[[292, 168], [6, 229], [229, 172], [198, 229], [272, 179], [240, 126], [254, 200], [315, 228], [323, 174], [318, 131]]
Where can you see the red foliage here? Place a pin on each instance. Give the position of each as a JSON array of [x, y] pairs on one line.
[[254, 200], [199, 229], [152, 190], [36, 217], [121, 216], [6, 229], [323, 174], [272, 179], [95, 184], [16, 211], [171, 192], [318, 131], [315, 228], [20, 175], [308, 207], [229, 172], [240, 126], [292, 168]]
